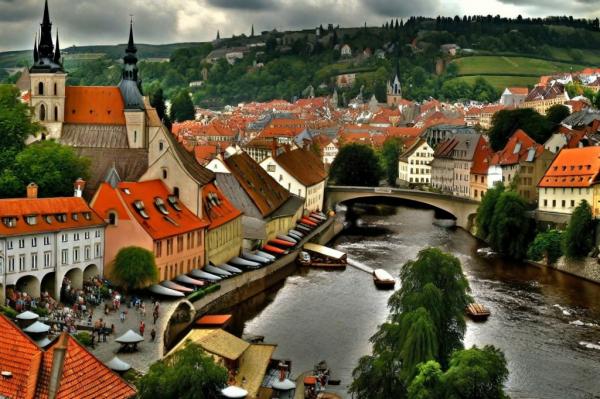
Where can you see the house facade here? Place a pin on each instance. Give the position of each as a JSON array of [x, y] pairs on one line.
[[414, 165]]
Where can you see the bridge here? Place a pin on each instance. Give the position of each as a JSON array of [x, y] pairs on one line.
[[463, 209]]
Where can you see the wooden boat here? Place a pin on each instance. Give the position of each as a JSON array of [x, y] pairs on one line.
[[281, 243], [309, 222], [383, 279], [296, 233], [325, 257], [266, 255], [274, 250], [477, 312]]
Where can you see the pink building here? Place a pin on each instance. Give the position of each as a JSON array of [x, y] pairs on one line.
[[147, 215]]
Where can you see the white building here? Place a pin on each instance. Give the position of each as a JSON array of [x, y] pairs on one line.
[[301, 172], [330, 151], [44, 240], [346, 51], [414, 166]]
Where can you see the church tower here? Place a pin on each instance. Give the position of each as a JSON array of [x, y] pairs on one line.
[[47, 80], [394, 89], [131, 91]]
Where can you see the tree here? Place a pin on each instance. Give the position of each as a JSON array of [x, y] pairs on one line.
[[578, 239], [356, 165], [390, 155], [547, 244], [506, 122], [485, 211], [135, 268], [427, 383], [476, 374], [557, 113], [189, 373], [52, 166], [182, 108], [509, 229]]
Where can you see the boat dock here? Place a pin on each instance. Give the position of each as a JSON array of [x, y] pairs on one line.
[[360, 266]]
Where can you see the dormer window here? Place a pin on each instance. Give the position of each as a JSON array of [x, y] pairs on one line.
[[174, 202], [48, 219], [160, 205], [87, 215], [9, 221], [61, 217], [140, 208], [31, 220], [75, 216]]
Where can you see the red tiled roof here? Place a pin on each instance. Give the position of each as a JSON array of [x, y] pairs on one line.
[[403, 131], [303, 165], [575, 167], [511, 155], [523, 91], [20, 356], [83, 375], [98, 105], [481, 158], [46, 210], [220, 211]]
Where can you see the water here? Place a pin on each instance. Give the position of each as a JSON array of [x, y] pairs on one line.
[[546, 322]]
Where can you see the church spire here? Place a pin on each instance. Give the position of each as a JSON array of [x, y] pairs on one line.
[[131, 85], [35, 50], [130, 44], [57, 50], [46, 48]]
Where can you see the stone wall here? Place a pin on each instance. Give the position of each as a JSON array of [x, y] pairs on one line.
[[588, 268]]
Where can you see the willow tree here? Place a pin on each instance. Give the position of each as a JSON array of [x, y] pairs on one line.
[[509, 230], [485, 211]]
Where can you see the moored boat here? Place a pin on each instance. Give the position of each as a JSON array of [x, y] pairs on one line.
[[303, 258], [477, 312], [281, 243], [324, 257], [204, 275], [274, 250], [296, 233], [230, 269], [307, 221], [217, 271], [248, 264], [255, 257], [177, 287], [285, 237], [266, 255], [383, 279]]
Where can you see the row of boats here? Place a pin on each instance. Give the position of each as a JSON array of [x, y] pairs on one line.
[[279, 246]]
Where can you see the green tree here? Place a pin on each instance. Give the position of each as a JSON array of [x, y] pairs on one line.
[[476, 374], [427, 384], [547, 244], [390, 155], [189, 373], [557, 113], [52, 166], [506, 122], [509, 229], [135, 268], [485, 211], [182, 108], [578, 239], [356, 165]]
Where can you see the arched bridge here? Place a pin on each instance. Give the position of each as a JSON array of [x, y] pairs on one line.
[[463, 209]]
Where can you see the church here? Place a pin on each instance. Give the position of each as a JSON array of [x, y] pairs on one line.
[[119, 131]]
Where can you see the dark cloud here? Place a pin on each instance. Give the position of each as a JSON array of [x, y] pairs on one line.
[[244, 4], [402, 8]]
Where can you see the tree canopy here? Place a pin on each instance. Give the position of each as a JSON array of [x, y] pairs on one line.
[[52, 166], [390, 154], [578, 239], [485, 211], [510, 227], [557, 113], [506, 122], [356, 165], [135, 268], [189, 373], [547, 244], [182, 108]]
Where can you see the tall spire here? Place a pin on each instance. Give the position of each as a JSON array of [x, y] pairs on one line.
[[35, 50], [218, 35], [46, 19], [46, 48], [57, 50], [131, 85], [131, 45]]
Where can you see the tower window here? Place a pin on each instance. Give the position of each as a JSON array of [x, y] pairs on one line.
[[55, 89], [55, 113], [135, 136], [42, 112], [164, 173], [41, 88]]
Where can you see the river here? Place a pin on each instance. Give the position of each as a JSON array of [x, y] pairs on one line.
[[546, 322]]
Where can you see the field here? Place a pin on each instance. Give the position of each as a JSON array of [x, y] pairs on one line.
[[502, 65], [502, 82]]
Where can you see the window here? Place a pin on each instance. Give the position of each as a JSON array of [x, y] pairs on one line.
[[572, 203], [9, 221], [97, 234], [64, 237], [21, 262], [164, 173], [545, 203], [179, 243], [76, 254], [42, 112], [41, 88], [9, 244], [21, 243], [55, 113], [87, 252], [140, 208], [280, 177], [160, 205], [97, 250], [64, 258], [47, 259], [135, 136], [169, 246], [76, 237], [34, 242], [564, 203], [31, 220], [112, 218], [553, 203], [158, 250], [46, 240], [161, 145], [75, 216], [271, 168], [34, 261], [61, 217], [87, 235], [11, 263]]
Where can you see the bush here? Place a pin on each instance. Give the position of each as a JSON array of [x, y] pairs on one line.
[[135, 268], [546, 244], [8, 312], [578, 239], [84, 338]]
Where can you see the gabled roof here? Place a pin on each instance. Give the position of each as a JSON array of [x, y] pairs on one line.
[[304, 165], [83, 375], [517, 149], [573, 167], [481, 158], [20, 356], [521, 91], [263, 190], [413, 145], [546, 92], [99, 105], [78, 215], [217, 208], [188, 161]]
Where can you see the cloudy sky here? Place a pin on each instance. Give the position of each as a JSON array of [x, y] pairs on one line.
[[86, 22]]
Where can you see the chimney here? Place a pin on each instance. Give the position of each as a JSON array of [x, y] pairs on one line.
[[32, 190], [79, 185], [58, 362], [274, 147]]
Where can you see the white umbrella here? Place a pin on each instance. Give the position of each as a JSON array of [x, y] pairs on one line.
[[37, 327], [182, 278], [130, 337], [234, 392], [284, 385], [28, 315], [117, 364], [42, 343]]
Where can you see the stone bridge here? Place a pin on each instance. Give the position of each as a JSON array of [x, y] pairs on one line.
[[463, 209]]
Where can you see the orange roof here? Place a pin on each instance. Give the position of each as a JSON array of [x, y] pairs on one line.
[[217, 208], [481, 158], [519, 90], [516, 149], [304, 165], [573, 167], [214, 320], [158, 225], [78, 215], [97, 105], [83, 375], [20, 356], [403, 131]]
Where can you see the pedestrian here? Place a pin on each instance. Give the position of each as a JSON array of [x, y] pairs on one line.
[[142, 327], [155, 315], [122, 316], [152, 335]]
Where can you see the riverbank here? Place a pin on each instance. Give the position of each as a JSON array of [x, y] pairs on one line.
[[587, 268]]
